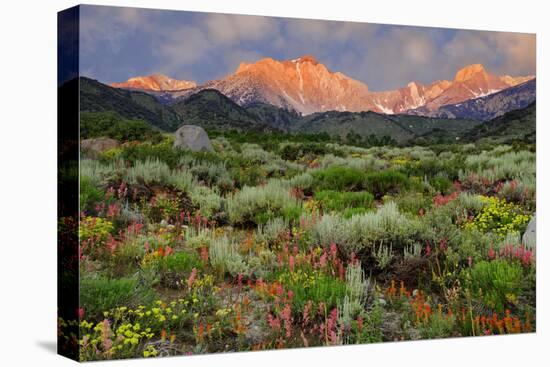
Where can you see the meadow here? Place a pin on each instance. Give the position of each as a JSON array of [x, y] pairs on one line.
[[299, 241]]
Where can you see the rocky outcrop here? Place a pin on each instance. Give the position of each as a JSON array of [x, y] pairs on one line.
[[98, 145], [155, 83], [530, 236], [194, 138]]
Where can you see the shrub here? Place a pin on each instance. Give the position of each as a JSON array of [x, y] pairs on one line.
[[255, 154], [97, 229], [259, 204], [207, 200], [350, 212], [410, 202], [99, 173], [472, 203], [98, 294], [162, 151], [332, 228], [361, 232], [441, 184], [89, 193], [171, 270], [497, 283], [499, 217], [210, 173], [262, 265], [245, 175], [225, 258], [315, 286], [385, 226], [182, 263], [296, 151], [154, 171], [339, 178], [272, 229], [357, 288], [111, 124], [381, 183], [303, 181], [150, 171], [334, 200], [127, 130], [519, 191]]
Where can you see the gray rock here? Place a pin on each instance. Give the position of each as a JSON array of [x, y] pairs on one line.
[[530, 236], [193, 138]]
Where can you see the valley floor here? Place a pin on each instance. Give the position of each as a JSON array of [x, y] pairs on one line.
[[282, 244]]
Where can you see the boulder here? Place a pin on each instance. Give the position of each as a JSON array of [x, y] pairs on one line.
[[193, 138], [99, 145], [530, 236]]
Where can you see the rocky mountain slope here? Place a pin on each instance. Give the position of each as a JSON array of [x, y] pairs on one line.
[[514, 125], [307, 86], [212, 110], [401, 128], [98, 97], [487, 107], [155, 83]]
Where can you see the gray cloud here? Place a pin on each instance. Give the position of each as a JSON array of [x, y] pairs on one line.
[[117, 42]]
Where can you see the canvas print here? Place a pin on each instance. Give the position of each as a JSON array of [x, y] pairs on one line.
[[235, 183]]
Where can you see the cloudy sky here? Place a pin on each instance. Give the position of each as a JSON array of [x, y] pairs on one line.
[[118, 43]]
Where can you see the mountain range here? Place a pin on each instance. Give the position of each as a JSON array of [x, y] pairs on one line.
[[155, 83], [307, 86], [487, 107], [213, 110]]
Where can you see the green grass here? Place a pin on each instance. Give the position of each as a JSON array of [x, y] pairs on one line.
[[338, 201]]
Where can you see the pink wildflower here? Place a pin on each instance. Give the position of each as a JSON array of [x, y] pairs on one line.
[[192, 278], [491, 253], [291, 263], [323, 260]]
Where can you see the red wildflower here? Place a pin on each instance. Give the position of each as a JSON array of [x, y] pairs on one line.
[[491, 253], [192, 277]]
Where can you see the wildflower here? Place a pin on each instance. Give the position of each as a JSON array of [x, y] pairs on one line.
[[106, 335], [428, 250], [204, 254], [333, 250], [290, 294], [192, 278], [307, 311], [443, 244], [291, 263], [341, 271], [287, 319], [274, 322], [113, 211], [491, 253], [111, 243], [359, 323], [323, 260], [331, 326]]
